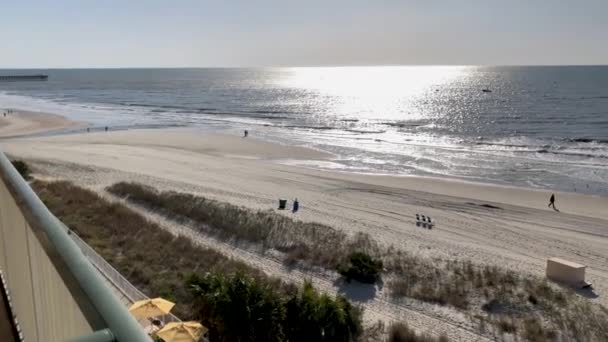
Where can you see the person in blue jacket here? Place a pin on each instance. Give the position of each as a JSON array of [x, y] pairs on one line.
[[296, 205]]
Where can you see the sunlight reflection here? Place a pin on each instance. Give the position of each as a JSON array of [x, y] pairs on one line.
[[373, 92]]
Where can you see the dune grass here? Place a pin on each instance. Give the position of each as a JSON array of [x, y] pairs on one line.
[[445, 282], [304, 243], [514, 304], [155, 261]]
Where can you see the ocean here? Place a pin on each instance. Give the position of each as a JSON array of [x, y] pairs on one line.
[[532, 126]]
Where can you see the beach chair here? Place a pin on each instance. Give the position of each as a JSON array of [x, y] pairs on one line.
[[424, 221]]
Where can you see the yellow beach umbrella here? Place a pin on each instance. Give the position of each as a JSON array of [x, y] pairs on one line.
[[182, 332], [151, 308]]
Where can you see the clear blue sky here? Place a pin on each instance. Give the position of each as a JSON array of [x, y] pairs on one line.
[[180, 33]]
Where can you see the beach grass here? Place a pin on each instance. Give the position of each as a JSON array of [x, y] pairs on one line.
[[155, 261], [304, 243], [517, 304]]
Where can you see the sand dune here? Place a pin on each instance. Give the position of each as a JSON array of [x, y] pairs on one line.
[[510, 227]]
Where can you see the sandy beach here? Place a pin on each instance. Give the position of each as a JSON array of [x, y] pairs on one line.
[[487, 224], [21, 123]]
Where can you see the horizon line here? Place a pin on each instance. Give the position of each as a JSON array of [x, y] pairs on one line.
[[304, 66]]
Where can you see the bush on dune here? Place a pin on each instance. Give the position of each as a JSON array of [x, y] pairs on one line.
[[312, 316], [237, 308], [361, 267]]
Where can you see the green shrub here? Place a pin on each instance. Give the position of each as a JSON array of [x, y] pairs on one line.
[[238, 308], [312, 316], [361, 267], [22, 168]]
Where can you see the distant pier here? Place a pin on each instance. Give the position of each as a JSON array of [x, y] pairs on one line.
[[13, 78]]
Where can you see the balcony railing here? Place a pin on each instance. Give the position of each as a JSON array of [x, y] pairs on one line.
[[128, 293], [56, 293]]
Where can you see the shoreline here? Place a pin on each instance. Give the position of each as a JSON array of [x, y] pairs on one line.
[[529, 162], [26, 124], [40, 124]]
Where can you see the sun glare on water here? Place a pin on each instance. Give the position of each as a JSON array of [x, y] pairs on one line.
[[372, 92]]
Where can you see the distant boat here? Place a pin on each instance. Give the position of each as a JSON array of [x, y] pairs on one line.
[[486, 90], [14, 78]]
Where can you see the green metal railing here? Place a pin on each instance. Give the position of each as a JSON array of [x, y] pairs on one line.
[[56, 293]]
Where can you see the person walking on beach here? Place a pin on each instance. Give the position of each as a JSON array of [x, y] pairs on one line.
[[552, 202], [296, 206], [245, 133]]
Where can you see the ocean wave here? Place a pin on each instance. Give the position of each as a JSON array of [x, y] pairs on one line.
[[255, 114], [593, 97], [180, 109], [574, 154], [573, 147], [147, 105], [364, 131], [320, 128], [404, 124], [266, 111], [562, 98], [524, 142], [482, 143], [246, 115], [588, 140]]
